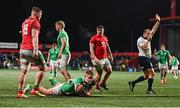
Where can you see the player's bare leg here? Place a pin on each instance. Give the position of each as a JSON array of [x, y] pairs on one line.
[[38, 79], [162, 76], [98, 78], [106, 76], [66, 75], [21, 80], [174, 72], [45, 91]]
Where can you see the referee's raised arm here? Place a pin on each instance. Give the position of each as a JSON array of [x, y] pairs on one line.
[[155, 27]]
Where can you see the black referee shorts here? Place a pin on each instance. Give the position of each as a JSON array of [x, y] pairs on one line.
[[145, 62]]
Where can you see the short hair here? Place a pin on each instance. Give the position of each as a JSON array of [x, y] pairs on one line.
[[36, 9], [100, 27], [145, 30], [60, 22], [89, 72]]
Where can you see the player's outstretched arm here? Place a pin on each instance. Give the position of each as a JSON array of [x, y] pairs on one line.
[[155, 27]]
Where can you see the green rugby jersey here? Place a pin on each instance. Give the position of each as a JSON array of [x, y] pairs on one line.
[[61, 35], [163, 56], [53, 54]]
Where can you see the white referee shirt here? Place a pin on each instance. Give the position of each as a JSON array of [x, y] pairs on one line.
[[143, 52]]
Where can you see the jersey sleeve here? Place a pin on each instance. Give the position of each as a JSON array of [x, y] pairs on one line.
[[177, 61], [92, 40], [49, 51], [158, 53], [106, 39], [36, 25], [168, 53], [140, 42], [63, 34]]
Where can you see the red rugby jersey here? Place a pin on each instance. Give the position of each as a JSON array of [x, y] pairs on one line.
[[100, 43], [27, 26]]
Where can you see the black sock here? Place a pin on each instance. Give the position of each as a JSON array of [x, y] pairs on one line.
[[141, 78], [150, 82]]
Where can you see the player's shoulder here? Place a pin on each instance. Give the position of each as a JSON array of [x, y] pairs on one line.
[[63, 33], [167, 50], [50, 49], [140, 39], [79, 79], [104, 36], [94, 36]]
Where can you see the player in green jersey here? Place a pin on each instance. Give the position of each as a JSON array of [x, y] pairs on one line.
[[163, 61], [52, 60], [174, 66], [63, 47], [81, 86]]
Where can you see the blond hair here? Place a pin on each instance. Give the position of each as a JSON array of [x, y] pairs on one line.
[[60, 22]]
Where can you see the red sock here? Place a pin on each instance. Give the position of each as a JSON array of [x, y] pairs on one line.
[[20, 91], [20, 84]]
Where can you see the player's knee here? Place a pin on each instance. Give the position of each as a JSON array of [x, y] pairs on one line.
[[109, 72], [146, 76], [151, 74], [24, 69]]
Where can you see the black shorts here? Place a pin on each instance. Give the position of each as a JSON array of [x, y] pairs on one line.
[[145, 62]]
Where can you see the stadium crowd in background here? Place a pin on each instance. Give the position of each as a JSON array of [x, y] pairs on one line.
[[122, 63]]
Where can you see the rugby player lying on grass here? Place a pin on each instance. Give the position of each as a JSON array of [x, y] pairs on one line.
[[81, 86]]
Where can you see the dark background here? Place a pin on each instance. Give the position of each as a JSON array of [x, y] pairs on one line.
[[124, 20]]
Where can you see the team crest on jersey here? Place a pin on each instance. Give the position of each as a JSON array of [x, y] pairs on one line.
[[103, 43]]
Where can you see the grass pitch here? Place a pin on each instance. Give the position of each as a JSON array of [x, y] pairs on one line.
[[118, 95]]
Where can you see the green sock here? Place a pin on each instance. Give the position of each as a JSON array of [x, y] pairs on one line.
[[54, 74], [53, 82], [31, 87]]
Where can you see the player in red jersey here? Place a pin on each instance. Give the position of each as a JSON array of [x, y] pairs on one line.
[[100, 55], [29, 52]]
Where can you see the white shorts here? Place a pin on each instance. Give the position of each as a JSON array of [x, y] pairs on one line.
[[103, 64], [53, 63], [174, 68], [64, 61], [163, 66], [56, 90]]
